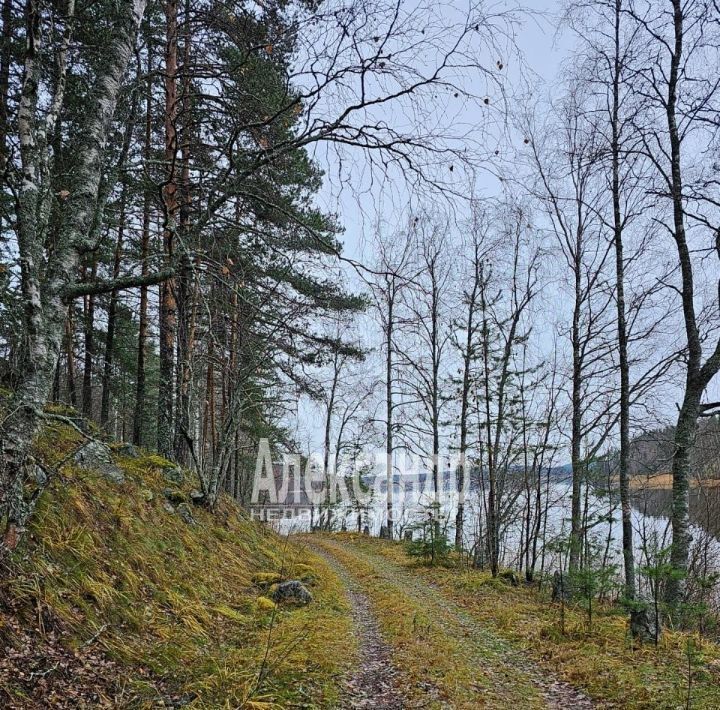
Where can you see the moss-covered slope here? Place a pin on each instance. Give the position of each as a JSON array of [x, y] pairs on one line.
[[115, 599]]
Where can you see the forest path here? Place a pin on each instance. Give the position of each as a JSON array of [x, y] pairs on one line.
[[412, 634], [375, 682]]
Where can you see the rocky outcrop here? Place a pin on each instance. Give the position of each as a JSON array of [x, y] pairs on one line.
[[644, 627], [96, 456]]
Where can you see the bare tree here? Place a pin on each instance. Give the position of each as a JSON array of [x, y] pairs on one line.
[[425, 346], [568, 192], [464, 339], [392, 274], [680, 101], [502, 313]]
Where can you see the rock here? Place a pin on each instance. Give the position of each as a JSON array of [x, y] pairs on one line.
[[560, 588], [293, 591], [184, 512], [127, 450], [169, 507], [96, 456], [173, 702], [174, 496], [40, 476], [197, 497], [510, 577], [643, 626], [174, 474]]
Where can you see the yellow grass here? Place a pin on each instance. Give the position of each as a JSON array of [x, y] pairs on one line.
[[181, 608], [663, 481], [613, 670]]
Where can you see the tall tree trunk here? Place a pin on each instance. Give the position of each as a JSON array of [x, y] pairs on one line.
[[111, 317], [168, 305], [5, 61], [435, 398], [389, 407], [140, 382], [624, 464], [576, 459], [45, 277], [698, 374], [89, 332], [491, 515], [70, 355], [185, 291], [464, 411]]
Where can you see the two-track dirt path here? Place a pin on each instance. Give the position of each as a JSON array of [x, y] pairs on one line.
[[375, 682], [465, 665]]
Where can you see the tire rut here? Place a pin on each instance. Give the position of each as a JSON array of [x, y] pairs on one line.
[[374, 683]]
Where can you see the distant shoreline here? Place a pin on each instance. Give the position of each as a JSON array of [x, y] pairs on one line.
[[663, 481]]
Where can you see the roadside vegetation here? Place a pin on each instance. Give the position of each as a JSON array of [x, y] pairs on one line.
[[115, 600], [420, 607]]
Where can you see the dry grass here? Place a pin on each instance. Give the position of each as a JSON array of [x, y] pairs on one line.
[[180, 607], [606, 663], [663, 482], [444, 663]]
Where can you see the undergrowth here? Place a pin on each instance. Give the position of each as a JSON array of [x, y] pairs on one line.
[[178, 608]]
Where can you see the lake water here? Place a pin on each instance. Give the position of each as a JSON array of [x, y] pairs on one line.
[[650, 521]]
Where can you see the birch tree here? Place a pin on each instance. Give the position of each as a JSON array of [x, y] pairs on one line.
[[48, 272], [676, 128]]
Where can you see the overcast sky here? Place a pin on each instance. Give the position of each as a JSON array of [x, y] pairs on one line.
[[541, 52], [529, 75], [542, 49]]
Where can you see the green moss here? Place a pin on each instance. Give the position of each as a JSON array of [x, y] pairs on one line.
[[177, 601], [264, 605], [265, 579]]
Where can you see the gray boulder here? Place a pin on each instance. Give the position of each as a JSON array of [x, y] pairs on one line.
[[96, 456], [127, 450], [292, 591], [197, 497], [644, 626], [184, 512], [174, 474]]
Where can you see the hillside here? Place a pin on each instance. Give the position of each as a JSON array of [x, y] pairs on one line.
[[121, 598]]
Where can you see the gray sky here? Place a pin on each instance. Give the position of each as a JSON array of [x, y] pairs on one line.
[[542, 49], [529, 77]]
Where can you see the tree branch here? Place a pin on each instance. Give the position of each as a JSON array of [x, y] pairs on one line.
[[91, 288]]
